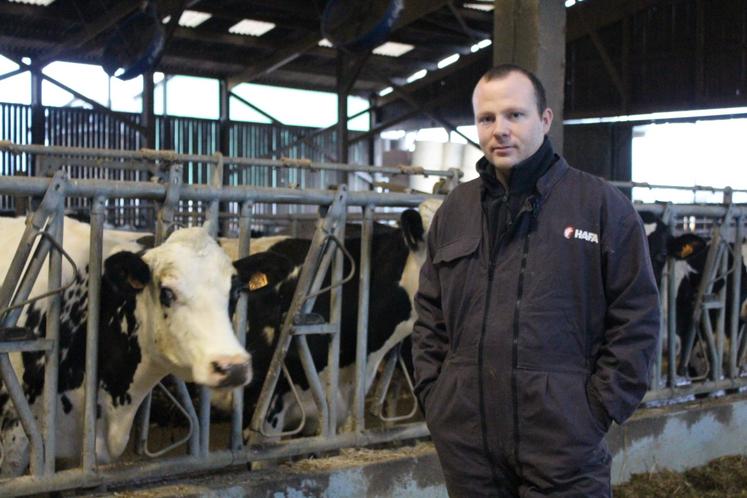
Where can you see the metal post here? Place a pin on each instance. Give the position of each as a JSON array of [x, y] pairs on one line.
[[148, 116], [239, 326], [335, 319], [98, 214], [735, 304], [359, 398], [671, 312], [51, 357]]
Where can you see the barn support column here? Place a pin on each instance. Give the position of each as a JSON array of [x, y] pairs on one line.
[[224, 110], [148, 116], [531, 33], [342, 114], [37, 115]]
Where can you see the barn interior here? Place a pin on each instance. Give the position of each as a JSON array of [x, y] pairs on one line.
[[616, 72]]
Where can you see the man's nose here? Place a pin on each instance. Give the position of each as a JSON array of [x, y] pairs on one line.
[[500, 128]]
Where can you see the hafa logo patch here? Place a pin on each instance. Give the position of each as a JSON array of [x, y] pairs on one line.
[[575, 233]]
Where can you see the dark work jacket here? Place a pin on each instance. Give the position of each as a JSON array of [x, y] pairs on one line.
[[523, 365]]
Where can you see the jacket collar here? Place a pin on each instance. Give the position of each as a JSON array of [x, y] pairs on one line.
[[525, 176]]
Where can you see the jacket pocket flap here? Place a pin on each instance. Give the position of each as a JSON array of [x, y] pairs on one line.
[[456, 249]]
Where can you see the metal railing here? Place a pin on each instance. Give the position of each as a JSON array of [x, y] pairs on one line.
[[165, 196]]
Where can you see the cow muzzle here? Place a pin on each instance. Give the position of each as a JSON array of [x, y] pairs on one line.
[[231, 371]]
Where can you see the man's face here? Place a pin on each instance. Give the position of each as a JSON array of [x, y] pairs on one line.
[[509, 126]]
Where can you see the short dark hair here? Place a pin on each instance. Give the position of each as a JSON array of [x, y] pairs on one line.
[[502, 70]]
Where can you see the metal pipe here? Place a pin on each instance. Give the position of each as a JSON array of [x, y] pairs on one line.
[[239, 326], [335, 319], [700, 188], [24, 414], [361, 349], [53, 195], [98, 217], [119, 474], [315, 385], [671, 314], [52, 334], [735, 305], [693, 389], [152, 191], [171, 156]]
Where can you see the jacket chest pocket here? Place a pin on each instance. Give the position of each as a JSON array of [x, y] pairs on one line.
[[462, 278]]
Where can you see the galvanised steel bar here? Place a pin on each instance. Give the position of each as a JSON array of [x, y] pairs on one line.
[[51, 356], [115, 474], [694, 388], [723, 310], [299, 304], [361, 350], [95, 264], [216, 180], [705, 287], [205, 395], [734, 305], [24, 413], [151, 191], [335, 320], [53, 196], [315, 384], [671, 317], [700, 188], [239, 326], [22, 346], [171, 156]]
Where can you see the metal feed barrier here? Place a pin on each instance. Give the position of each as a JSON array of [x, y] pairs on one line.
[[46, 219], [325, 253]]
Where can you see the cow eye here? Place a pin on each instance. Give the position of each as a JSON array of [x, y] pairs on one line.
[[167, 297]]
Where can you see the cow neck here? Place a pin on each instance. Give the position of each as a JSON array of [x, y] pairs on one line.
[[501, 207]]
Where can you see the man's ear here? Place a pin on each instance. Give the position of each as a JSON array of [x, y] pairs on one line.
[[126, 272], [547, 116]]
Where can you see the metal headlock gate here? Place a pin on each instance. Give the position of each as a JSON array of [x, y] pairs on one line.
[[44, 234], [327, 250], [725, 349]]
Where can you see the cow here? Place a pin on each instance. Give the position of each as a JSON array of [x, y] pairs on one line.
[[163, 311], [396, 258], [690, 252]]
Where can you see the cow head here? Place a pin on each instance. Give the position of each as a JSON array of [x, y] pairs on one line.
[[183, 307]]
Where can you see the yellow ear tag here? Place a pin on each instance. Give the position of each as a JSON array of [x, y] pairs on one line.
[[257, 281], [687, 250]]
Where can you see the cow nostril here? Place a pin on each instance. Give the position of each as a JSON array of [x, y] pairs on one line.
[[218, 368], [236, 375]]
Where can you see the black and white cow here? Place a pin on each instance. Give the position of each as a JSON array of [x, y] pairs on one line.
[[396, 258], [165, 311], [690, 252]]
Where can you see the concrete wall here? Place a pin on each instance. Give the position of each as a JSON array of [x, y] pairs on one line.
[[675, 437]]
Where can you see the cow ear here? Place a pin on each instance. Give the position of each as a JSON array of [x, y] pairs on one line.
[[412, 228], [127, 272], [265, 269]]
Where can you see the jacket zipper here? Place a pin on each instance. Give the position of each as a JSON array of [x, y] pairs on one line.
[[515, 349], [493, 250]]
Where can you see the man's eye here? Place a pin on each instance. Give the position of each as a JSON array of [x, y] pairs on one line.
[[516, 115], [167, 297]]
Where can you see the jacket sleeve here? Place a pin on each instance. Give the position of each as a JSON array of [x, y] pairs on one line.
[[429, 337], [621, 374]]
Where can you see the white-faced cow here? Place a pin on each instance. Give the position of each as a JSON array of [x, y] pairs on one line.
[[164, 311], [396, 258]]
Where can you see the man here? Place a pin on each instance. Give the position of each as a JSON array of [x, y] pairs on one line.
[[537, 311]]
